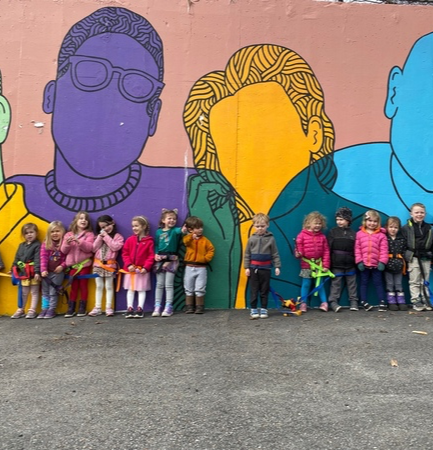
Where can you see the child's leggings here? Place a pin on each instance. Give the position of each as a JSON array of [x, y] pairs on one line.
[[130, 298], [306, 289], [49, 293], [164, 280], [33, 290], [109, 291], [376, 275], [80, 284]]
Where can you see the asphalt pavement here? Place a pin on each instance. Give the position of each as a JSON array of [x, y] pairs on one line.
[[352, 380]]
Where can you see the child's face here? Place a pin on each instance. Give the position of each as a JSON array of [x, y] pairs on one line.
[[392, 229], [261, 227], [137, 228], [82, 222], [107, 227], [342, 223], [56, 234], [316, 226], [30, 235], [169, 220], [197, 231], [371, 224], [418, 214]]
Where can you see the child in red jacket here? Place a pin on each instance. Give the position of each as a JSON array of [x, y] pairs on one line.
[[137, 254], [312, 247], [371, 257]]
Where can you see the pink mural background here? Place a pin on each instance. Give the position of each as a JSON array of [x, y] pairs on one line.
[[351, 48]]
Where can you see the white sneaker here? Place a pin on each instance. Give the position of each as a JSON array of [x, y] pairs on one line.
[[254, 314], [263, 313]]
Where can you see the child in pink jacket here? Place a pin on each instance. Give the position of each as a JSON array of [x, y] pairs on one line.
[[312, 247], [371, 257], [78, 248]]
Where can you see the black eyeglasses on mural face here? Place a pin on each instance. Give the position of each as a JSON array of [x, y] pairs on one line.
[[94, 74]]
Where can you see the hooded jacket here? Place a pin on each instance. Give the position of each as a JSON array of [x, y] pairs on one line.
[[313, 245]]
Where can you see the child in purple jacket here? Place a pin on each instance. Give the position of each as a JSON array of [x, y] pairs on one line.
[[371, 257]]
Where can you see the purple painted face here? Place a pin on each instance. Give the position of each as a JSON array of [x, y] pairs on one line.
[[100, 118]]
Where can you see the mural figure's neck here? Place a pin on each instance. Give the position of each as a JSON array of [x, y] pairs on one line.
[[76, 192], [406, 188]]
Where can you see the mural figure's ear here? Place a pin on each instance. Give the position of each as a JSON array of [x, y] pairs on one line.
[[315, 133], [394, 84], [49, 96], [154, 117], [5, 118]]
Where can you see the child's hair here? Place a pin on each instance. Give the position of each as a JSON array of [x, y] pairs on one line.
[[165, 213], [313, 216], [28, 226], [393, 220], [144, 223], [55, 224], [74, 227], [109, 221], [420, 205], [260, 217], [371, 214], [193, 222]]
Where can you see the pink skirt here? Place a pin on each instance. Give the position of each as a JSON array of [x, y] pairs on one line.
[[136, 281]]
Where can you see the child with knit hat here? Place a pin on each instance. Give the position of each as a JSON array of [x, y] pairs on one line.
[[341, 240]]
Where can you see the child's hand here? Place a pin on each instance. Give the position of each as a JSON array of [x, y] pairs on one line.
[[297, 254], [277, 271], [58, 269], [381, 266], [247, 272], [142, 270], [44, 274], [131, 268], [184, 229], [166, 264], [157, 257], [361, 267], [37, 277]]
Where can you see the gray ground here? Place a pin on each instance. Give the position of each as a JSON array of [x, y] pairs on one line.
[[218, 381]]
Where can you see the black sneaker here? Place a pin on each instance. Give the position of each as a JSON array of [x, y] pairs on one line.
[[335, 307], [354, 305], [419, 306], [139, 313], [382, 306], [129, 313], [366, 306]]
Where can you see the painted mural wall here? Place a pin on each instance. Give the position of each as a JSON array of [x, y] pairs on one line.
[[219, 108]]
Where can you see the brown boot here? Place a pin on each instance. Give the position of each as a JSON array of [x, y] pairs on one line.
[[199, 305], [189, 304]]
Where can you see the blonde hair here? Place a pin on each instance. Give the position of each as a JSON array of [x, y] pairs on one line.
[[420, 205], [144, 222], [48, 240], [251, 65], [74, 224], [261, 217], [373, 215], [311, 217]]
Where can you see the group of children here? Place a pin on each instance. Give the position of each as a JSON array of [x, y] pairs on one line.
[[82, 255], [380, 255], [376, 254]]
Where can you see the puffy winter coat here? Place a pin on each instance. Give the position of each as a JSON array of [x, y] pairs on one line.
[[138, 252], [313, 246], [371, 249], [341, 242], [77, 252]]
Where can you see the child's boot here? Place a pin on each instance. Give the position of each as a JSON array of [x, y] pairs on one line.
[[392, 301], [383, 306], [71, 309], [401, 301], [82, 308], [199, 305], [189, 304]]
